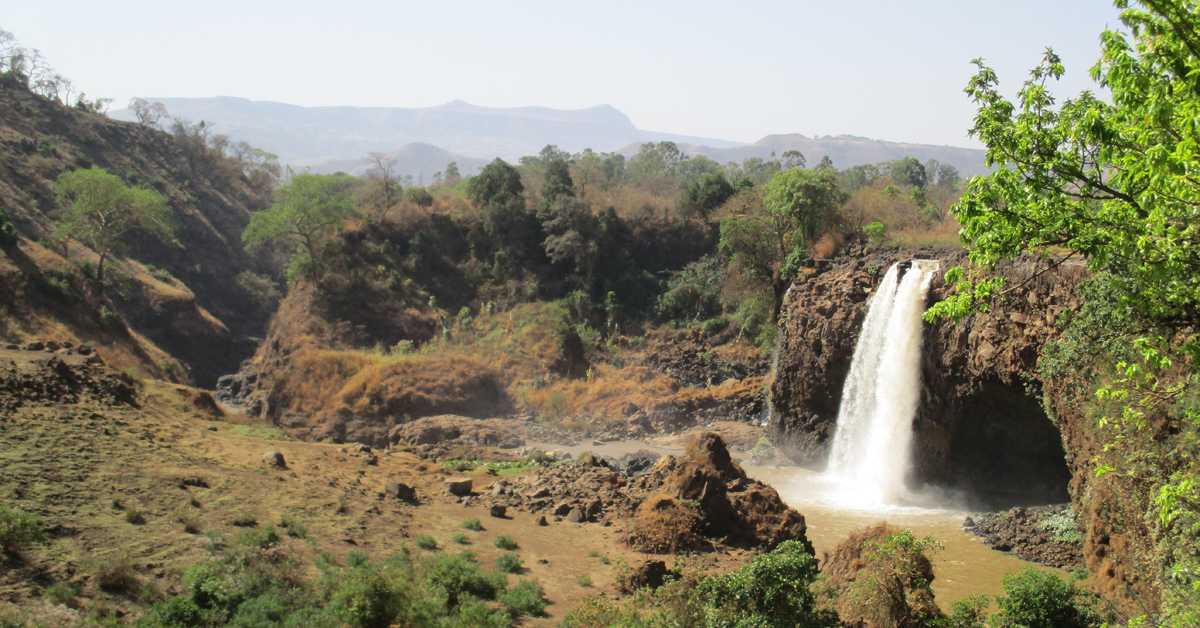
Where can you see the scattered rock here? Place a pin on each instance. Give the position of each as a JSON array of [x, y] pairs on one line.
[[541, 520], [459, 486], [649, 575], [576, 515], [401, 491], [498, 511], [275, 459], [1048, 535]]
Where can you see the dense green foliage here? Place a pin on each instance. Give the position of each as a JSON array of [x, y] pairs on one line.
[[101, 211], [18, 529], [771, 591], [1112, 180], [1040, 599], [257, 583], [308, 210]]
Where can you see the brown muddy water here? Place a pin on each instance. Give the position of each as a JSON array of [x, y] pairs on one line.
[[963, 567]]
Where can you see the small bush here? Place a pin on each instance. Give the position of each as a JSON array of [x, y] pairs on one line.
[[506, 542], [584, 581], [509, 562], [294, 528], [876, 232], [526, 598], [8, 233], [180, 610], [426, 542], [473, 524], [61, 593], [774, 589], [18, 530], [117, 575], [967, 613], [461, 539], [135, 517], [259, 538], [1037, 599], [457, 577]]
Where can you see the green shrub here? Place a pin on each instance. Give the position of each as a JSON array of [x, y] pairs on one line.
[[773, 590], [135, 517], [268, 609], [506, 542], [584, 581], [260, 538], [473, 524], [509, 562], [475, 614], [176, 612], [966, 613], [294, 528], [461, 539], [18, 530], [8, 232], [1040, 599], [61, 593], [458, 576], [426, 542], [365, 598], [526, 598], [694, 292], [876, 232]]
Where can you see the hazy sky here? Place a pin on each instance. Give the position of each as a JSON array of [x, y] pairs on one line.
[[735, 70]]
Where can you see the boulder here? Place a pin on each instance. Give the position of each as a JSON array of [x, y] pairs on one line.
[[649, 575], [459, 486], [498, 511], [401, 491], [274, 459]]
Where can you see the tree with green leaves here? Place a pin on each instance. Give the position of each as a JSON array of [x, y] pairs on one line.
[[808, 199], [101, 211], [558, 183], [308, 211], [768, 244], [497, 183], [702, 196], [1114, 181]]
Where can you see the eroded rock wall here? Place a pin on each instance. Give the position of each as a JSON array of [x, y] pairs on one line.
[[980, 425]]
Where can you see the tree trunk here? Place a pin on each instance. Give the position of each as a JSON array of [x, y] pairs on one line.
[[100, 273]]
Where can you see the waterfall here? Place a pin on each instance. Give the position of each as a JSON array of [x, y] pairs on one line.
[[870, 453]]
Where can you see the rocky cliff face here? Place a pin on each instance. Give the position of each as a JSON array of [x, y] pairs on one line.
[[982, 425]]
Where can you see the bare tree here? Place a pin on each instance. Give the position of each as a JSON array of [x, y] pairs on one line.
[[386, 189], [148, 113]]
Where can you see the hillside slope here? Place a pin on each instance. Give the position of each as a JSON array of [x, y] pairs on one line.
[[180, 297]]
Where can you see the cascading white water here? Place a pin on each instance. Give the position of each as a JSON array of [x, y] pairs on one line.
[[870, 453]]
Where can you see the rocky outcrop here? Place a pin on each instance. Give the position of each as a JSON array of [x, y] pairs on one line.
[[980, 426]]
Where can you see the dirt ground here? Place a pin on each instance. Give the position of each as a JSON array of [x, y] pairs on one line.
[[85, 467]]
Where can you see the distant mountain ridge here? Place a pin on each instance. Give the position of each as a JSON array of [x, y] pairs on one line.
[[425, 139], [846, 151]]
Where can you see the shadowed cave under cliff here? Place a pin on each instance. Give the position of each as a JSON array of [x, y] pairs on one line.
[[995, 443]]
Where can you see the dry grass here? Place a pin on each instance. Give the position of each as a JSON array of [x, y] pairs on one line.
[[423, 385], [942, 236]]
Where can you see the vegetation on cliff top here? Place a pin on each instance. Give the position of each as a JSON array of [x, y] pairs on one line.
[[1112, 181]]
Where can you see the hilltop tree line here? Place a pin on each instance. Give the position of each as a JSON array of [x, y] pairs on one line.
[[659, 235]]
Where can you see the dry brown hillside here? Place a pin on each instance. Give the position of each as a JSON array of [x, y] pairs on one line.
[[181, 299]]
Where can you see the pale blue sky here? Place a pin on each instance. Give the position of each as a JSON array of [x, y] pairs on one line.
[[735, 70]]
